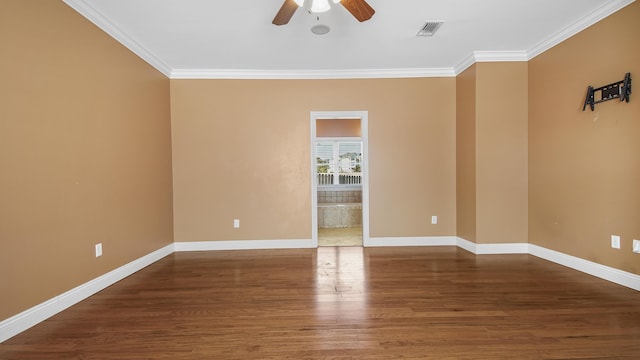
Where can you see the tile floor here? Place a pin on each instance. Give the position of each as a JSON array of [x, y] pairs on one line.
[[351, 236]]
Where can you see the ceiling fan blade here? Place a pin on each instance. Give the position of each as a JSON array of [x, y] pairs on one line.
[[359, 9], [285, 13]]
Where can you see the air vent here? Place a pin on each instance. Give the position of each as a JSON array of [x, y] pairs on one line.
[[429, 28]]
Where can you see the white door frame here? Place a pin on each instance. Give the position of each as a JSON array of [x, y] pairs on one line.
[[364, 129]]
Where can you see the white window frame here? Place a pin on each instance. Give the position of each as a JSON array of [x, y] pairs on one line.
[[336, 140]]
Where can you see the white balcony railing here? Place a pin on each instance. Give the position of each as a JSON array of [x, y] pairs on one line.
[[343, 179]]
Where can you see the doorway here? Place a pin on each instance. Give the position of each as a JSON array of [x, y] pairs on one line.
[[339, 174]]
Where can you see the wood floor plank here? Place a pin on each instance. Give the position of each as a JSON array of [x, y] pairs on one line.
[[344, 303]]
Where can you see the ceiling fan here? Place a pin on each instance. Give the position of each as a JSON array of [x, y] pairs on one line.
[[358, 8]]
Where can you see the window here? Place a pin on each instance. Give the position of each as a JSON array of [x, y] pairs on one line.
[[339, 162]]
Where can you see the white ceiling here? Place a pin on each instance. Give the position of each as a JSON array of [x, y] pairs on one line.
[[236, 39]]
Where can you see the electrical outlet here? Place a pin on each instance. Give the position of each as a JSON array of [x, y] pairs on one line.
[[236, 223], [434, 219], [615, 241], [99, 250], [636, 246]]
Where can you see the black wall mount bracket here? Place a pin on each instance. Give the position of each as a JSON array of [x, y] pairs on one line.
[[617, 90]]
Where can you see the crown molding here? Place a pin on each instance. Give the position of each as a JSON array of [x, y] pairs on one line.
[[94, 16], [311, 74], [508, 56], [465, 64], [106, 25], [500, 56], [490, 56], [590, 19]]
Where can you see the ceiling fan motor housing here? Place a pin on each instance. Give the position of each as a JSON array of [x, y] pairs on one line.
[[360, 9]]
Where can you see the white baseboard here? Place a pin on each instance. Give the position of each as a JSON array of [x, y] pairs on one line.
[[410, 241], [478, 249], [604, 272], [608, 273], [244, 245], [487, 249], [30, 317], [466, 245]]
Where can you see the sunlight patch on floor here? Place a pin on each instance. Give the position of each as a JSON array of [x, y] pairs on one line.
[[351, 236]]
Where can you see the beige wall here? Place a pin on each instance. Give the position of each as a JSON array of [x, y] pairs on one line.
[[584, 169], [501, 153], [84, 153], [492, 153], [242, 150], [341, 128], [466, 154]]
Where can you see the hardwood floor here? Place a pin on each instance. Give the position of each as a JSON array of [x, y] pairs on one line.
[[344, 303]]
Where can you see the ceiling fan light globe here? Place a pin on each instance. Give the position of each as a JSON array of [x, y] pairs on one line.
[[318, 6]]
